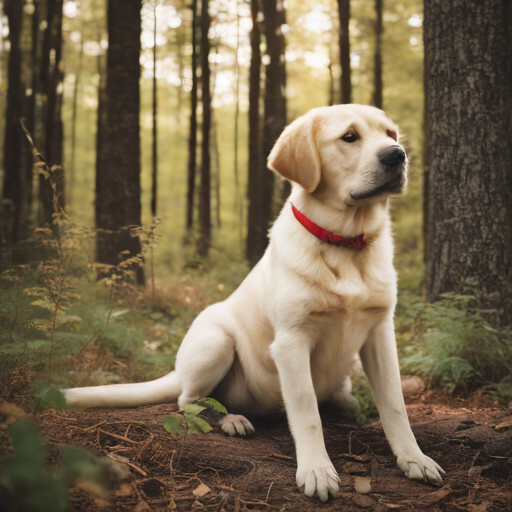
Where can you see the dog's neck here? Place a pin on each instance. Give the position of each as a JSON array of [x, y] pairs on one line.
[[347, 221]]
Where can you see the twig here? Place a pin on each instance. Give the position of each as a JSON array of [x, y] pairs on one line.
[[268, 492], [124, 460], [121, 438], [285, 457], [92, 427]]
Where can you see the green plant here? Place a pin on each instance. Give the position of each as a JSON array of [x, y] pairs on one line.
[[451, 344], [188, 421], [365, 407], [29, 488]]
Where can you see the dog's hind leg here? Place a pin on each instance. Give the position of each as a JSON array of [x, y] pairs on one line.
[[205, 357], [344, 398]]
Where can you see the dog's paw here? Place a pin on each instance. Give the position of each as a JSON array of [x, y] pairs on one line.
[[234, 424], [320, 480], [421, 467]]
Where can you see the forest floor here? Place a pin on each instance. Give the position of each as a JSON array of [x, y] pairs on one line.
[[470, 440]]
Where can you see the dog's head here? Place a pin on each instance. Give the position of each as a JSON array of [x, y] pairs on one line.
[[347, 153]]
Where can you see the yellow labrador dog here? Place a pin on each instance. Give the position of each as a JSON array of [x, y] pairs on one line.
[[324, 292]]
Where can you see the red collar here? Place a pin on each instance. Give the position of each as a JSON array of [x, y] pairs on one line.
[[357, 242]]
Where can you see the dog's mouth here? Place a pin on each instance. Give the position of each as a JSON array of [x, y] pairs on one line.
[[393, 186]]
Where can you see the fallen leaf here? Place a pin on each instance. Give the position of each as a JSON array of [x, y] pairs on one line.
[[201, 490], [436, 496], [507, 423], [363, 501], [124, 490], [482, 507], [362, 484], [142, 506]]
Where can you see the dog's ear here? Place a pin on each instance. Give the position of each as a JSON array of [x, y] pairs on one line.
[[295, 155]]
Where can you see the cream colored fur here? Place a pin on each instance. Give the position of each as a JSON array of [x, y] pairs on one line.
[[290, 333]]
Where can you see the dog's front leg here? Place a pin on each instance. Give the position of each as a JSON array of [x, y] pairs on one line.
[[380, 362], [291, 352]]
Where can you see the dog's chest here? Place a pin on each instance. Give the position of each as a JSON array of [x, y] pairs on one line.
[[346, 286]]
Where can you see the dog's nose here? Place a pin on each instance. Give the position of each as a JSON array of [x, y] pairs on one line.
[[391, 157]]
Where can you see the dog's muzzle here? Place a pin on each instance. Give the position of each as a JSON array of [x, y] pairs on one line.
[[391, 174]]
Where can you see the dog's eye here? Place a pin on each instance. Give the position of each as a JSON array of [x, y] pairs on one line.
[[350, 137], [392, 134]]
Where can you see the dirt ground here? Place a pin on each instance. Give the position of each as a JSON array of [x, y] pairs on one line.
[[473, 445]]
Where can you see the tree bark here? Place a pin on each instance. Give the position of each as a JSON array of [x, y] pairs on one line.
[[30, 115], [52, 76], [118, 193], [255, 228], [469, 96], [274, 117], [13, 176], [377, 93], [72, 170], [205, 224], [346, 82], [192, 138], [154, 184]]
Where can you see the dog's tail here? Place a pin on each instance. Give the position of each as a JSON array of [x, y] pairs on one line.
[[161, 391]]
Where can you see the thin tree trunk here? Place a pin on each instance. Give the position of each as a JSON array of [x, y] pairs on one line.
[[72, 170], [275, 107], [204, 190], [469, 108], [13, 182], [255, 228], [238, 198], [101, 150], [192, 138], [30, 115], [346, 83], [154, 184], [377, 93], [216, 167], [52, 78], [118, 197]]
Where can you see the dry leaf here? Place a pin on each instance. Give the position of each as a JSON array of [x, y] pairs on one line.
[[363, 501], [201, 490], [142, 506], [506, 423], [124, 490]]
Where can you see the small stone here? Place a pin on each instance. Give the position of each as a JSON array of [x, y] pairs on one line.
[[412, 385], [362, 484]]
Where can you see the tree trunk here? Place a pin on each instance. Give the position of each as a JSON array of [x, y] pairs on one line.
[[192, 138], [13, 181], [205, 223], [468, 46], [346, 83], [30, 116], [255, 228], [377, 69], [52, 76], [154, 184], [72, 170], [274, 120], [101, 150], [118, 194]]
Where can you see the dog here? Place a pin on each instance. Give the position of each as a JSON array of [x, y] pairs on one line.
[[323, 293]]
